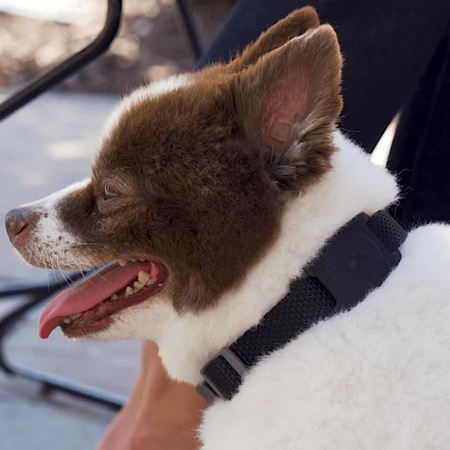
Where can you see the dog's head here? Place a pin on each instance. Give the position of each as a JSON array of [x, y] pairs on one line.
[[190, 184]]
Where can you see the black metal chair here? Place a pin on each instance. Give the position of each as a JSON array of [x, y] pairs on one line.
[[38, 293]]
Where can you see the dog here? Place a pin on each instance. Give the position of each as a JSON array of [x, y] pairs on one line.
[[210, 193]]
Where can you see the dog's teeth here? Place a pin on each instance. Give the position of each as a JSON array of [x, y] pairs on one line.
[[160, 284], [122, 261], [128, 291], [143, 277], [67, 320], [76, 316], [137, 286], [114, 297]]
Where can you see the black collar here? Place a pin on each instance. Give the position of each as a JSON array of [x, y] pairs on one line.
[[357, 259]]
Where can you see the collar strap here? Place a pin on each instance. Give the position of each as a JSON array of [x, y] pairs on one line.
[[356, 260]]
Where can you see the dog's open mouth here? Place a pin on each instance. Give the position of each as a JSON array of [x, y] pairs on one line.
[[89, 307]]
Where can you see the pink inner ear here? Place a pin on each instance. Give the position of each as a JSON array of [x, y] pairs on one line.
[[284, 106]]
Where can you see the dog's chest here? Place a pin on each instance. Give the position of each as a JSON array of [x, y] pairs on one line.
[[375, 377]]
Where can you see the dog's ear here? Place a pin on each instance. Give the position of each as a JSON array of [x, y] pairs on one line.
[[288, 104], [293, 25]]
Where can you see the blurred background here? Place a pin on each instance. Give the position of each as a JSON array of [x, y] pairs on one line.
[[37, 34], [50, 144]]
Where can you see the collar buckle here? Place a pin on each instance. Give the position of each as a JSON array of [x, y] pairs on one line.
[[210, 389]]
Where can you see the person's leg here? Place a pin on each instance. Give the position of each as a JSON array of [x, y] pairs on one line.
[[159, 415], [420, 154], [387, 46]]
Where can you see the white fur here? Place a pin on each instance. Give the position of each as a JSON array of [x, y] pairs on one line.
[[51, 243], [377, 377]]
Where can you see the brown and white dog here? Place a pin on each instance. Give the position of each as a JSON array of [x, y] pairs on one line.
[[210, 193]]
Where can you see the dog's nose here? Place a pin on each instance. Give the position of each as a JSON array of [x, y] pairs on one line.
[[17, 221]]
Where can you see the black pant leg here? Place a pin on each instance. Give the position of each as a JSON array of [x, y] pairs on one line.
[[420, 154]]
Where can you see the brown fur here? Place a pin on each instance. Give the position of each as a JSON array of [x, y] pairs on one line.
[[205, 171]]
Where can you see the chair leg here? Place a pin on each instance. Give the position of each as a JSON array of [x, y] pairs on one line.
[[190, 27], [49, 382]]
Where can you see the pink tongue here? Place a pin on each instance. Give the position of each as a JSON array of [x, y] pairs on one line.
[[86, 295]]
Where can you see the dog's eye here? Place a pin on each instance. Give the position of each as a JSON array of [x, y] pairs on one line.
[[109, 193]]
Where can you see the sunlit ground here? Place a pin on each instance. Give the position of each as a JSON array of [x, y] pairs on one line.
[[58, 10]]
